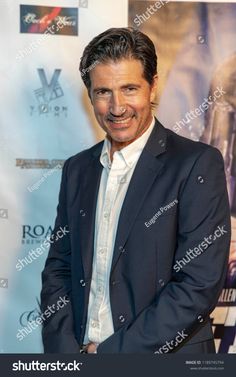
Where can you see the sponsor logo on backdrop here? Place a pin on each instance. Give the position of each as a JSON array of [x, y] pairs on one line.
[[83, 3], [3, 282], [3, 213], [35, 234], [29, 163], [57, 20], [30, 315], [48, 96]]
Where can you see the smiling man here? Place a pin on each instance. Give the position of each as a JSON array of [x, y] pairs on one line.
[[122, 98], [125, 294]]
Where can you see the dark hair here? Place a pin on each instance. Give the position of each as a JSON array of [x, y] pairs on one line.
[[115, 44]]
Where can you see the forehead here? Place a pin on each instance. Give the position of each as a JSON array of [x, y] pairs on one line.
[[117, 72]]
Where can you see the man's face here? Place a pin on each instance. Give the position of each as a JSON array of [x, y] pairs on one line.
[[121, 99]]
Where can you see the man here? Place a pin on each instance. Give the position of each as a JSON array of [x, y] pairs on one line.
[[145, 255]]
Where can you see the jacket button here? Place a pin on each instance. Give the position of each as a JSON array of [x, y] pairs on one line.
[[121, 318], [161, 142], [121, 249], [200, 319], [82, 282], [200, 179]]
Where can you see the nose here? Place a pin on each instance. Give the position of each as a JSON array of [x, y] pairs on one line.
[[117, 105]]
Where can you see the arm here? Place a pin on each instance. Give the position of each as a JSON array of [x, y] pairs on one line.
[[192, 293], [57, 333]]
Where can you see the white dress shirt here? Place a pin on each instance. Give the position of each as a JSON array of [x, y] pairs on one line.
[[115, 179]]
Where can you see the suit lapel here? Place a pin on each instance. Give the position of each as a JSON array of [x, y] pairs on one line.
[[88, 200], [145, 173]]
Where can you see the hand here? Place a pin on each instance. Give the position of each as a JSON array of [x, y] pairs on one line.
[[91, 347]]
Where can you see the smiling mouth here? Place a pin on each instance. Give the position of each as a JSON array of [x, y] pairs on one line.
[[120, 121]]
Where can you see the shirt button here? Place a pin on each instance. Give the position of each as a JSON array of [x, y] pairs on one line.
[[99, 289], [121, 179], [121, 318], [102, 251], [106, 214], [82, 282], [94, 324]]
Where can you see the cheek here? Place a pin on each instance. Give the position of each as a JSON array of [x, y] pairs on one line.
[[101, 108], [141, 102], [140, 106]]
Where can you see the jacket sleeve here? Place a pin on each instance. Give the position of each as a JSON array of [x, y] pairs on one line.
[[188, 298], [57, 317]]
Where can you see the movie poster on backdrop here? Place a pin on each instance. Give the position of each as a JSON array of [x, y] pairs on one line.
[[197, 80]]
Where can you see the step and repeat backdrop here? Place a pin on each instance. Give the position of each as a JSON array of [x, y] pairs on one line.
[[45, 117]]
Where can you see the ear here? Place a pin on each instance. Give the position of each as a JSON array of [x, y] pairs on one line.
[[154, 88], [90, 97]]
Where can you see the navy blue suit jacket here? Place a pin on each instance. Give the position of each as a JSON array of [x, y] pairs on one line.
[[159, 288]]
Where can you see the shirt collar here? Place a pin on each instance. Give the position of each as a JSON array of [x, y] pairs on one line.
[[131, 153]]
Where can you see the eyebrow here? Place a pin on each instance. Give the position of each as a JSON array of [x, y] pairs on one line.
[[122, 87], [100, 88], [130, 84]]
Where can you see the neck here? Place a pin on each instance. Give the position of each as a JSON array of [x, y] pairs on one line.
[[117, 145]]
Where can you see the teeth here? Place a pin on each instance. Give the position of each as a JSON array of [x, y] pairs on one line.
[[121, 121]]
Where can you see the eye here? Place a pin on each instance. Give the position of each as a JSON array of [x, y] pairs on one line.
[[102, 93], [130, 89]]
